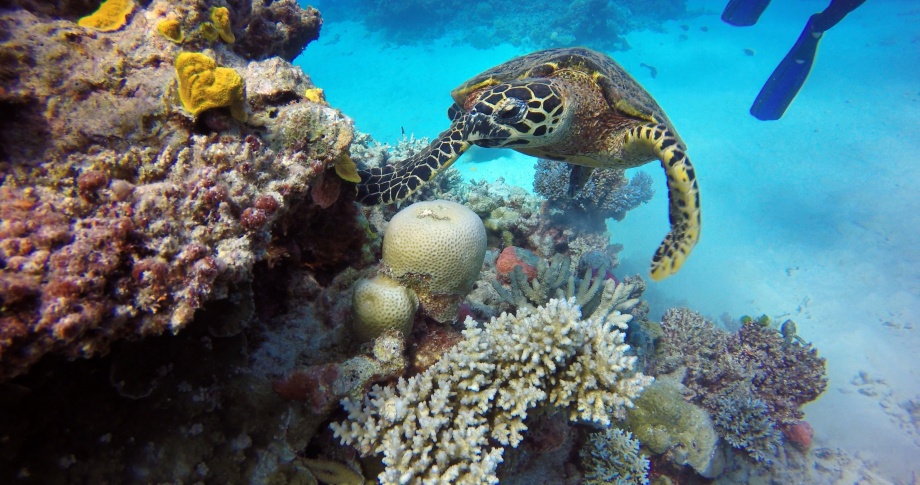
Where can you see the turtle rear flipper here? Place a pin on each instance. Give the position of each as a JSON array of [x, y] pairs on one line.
[[389, 184], [683, 197]]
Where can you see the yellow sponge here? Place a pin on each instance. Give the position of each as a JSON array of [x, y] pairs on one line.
[[203, 85], [112, 15], [220, 16], [171, 29]]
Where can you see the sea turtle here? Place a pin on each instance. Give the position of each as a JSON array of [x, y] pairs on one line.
[[571, 105]]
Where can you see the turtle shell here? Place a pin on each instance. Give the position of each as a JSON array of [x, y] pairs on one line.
[[623, 94]]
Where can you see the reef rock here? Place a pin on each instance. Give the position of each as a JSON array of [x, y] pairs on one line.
[[122, 212]]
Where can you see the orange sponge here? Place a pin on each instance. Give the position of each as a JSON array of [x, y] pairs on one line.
[[203, 85], [112, 15]]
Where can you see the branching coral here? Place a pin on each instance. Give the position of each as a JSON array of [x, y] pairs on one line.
[[745, 423], [607, 193], [554, 279], [440, 425], [612, 457]]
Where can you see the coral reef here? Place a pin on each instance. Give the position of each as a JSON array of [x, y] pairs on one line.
[[122, 222], [381, 304], [435, 248], [607, 193], [665, 423], [612, 457], [204, 86], [322, 386], [783, 373], [743, 421], [544, 23], [440, 425]]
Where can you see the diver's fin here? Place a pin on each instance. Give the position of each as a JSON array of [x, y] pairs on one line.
[[790, 75], [578, 177], [743, 13]]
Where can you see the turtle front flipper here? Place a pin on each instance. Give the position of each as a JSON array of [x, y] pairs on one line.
[[389, 184], [683, 196]]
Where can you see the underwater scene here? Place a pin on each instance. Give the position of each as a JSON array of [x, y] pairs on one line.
[[464, 242]]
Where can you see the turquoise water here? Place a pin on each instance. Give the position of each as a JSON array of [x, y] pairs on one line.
[[813, 217]]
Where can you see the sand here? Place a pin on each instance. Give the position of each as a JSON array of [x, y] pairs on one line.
[[813, 217]]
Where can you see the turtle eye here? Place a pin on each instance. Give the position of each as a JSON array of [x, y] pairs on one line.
[[511, 111]]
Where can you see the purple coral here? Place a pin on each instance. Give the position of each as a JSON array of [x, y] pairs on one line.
[[607, 194], [784, 375]]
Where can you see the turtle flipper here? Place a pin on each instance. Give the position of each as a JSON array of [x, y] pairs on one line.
[[683, 196], [389, 184]]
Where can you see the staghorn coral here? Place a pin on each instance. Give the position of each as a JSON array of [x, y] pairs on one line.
[[555, 279], [612, 457], [112, 15], [203, 85], [440, 425]]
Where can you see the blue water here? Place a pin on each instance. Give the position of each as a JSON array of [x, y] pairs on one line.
[[813, 217]]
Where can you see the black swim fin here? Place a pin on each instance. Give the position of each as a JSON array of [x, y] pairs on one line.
[[744, 13]]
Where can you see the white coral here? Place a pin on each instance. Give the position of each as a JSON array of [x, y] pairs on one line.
[[435, 427]]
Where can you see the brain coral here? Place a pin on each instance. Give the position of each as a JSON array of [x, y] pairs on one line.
[[437, 249], [382, 304]]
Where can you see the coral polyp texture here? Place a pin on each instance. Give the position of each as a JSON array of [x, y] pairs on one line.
[[203, 85], [381, 304], [112, 15], [436, 248], [120, 216], [450, 423]]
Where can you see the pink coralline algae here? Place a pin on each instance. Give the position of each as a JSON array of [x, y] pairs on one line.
[[800, 434]]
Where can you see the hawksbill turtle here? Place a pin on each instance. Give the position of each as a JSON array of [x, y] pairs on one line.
[[572, 105]]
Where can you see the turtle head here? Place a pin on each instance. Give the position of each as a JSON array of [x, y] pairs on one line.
[[520, 114]]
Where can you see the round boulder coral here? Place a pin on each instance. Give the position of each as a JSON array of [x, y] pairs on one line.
[[381, 304], [436, 248]]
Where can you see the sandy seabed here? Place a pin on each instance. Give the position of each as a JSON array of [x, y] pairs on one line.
[[814, 217]]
